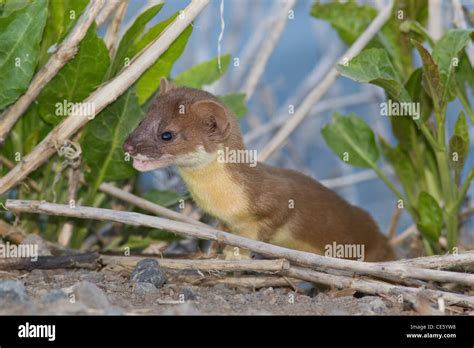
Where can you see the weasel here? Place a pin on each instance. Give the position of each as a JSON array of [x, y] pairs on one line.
[[191, 129]]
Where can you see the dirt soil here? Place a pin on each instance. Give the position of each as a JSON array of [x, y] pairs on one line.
[[110, 292]]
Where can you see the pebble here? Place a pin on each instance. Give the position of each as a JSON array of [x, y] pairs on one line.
[[189, 294], [148, 271], [142, 290], [13, 291], [90, 295], [53, 296]]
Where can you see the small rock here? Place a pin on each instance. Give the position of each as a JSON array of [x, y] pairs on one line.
[[148, 271], [222, 289], [54, 296], [93, 277], [90, 295], [143, 290], [38, 242], [13, 291], [240, 299], [189, 294]]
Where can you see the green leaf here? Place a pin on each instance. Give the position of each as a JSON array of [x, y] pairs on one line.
[[20, 36], [464, 80], [8, 7], [459, 144], [448, 48], [419, 95], [349, 19], [236, 103], [204, 73], [352, 140], [447, 55], [149, 82], [131, 36], [63, 14], [430, 220], [103, 139], [76, 80], [431, 75], [164, 235], [374, 66], [164, 198], [137, 242], [404, 169]]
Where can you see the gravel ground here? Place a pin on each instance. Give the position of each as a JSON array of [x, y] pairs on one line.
[[143, 292]]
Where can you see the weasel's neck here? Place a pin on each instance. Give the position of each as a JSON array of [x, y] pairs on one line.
[[217, 191]]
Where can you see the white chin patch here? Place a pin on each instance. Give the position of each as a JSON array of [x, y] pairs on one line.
[[147, 165]]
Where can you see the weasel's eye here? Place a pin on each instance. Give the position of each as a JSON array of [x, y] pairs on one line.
[[166, 136]]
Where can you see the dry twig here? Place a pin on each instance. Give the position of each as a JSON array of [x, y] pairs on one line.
[[315, 95], [318, 262], [265, 51], [84, 260], [111, 36]]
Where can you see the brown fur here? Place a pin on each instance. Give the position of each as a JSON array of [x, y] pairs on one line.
[[252, 201]]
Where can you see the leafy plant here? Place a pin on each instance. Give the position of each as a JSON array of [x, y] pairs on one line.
[[428, 166], [29, 33]]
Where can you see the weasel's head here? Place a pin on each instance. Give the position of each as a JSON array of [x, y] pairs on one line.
[[184, 126]]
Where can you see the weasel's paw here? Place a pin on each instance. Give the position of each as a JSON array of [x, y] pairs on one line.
[[235, 253]]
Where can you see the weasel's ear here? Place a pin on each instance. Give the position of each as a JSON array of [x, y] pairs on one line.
[[215, 118], [165, 86]]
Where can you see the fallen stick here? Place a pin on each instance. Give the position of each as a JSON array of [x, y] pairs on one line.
[[375, 287], [64, 53], [147, 205], [254, 282], [318, 262], [440, 261], [84, 260], [102, 97], [273, 266]]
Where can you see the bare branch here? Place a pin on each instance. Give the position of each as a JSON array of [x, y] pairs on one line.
[[276, 29], [84, 260], [325, 105], [375, 287], [318, 262], [435, 19], [111, 36], [147, 205], [104, 14], [315, 95], [130, 262]]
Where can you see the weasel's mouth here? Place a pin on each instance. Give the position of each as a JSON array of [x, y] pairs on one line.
[[144, 165]]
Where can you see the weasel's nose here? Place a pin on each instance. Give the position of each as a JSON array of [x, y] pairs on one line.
[[128, 148]]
